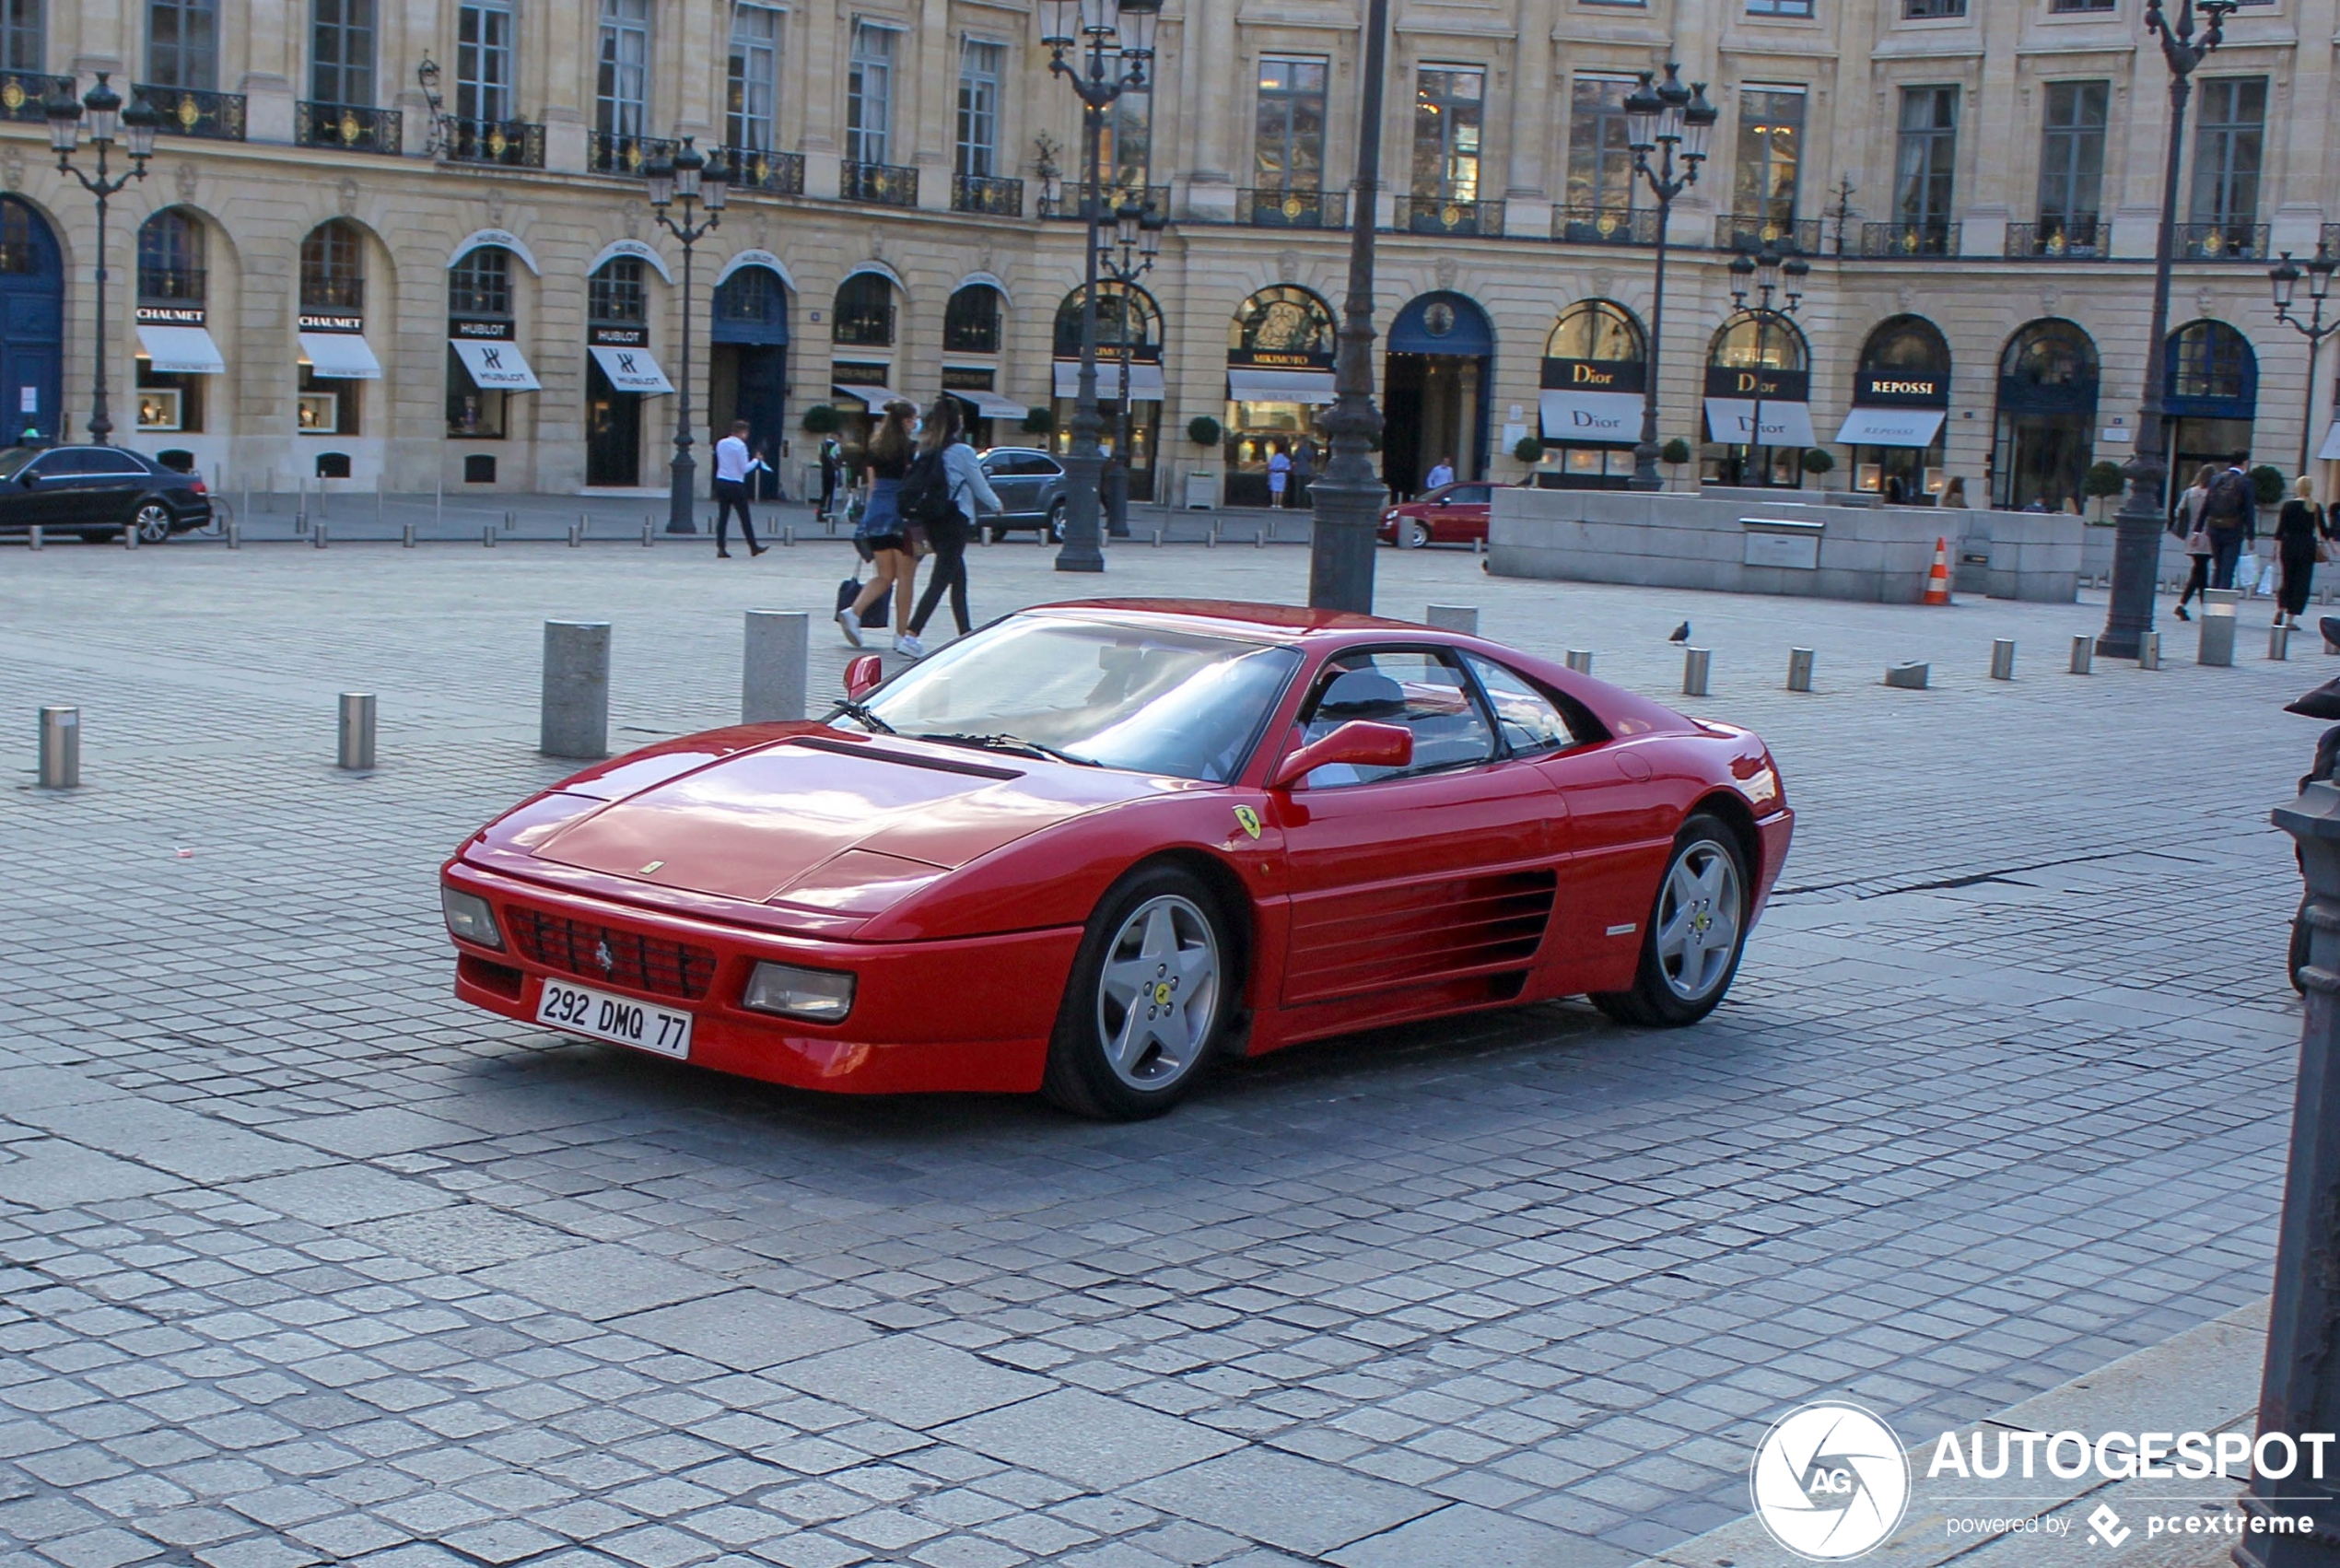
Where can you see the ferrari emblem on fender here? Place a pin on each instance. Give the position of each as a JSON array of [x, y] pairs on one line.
[[1248, 820]]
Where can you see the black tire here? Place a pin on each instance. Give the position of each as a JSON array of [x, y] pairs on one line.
[[1057, 514], [1155, 1070], [153, 520], [1660, 997]]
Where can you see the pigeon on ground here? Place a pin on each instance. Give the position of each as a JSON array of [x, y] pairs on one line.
[[1681, 633]]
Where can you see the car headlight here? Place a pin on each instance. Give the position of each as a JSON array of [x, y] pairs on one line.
[[821, 996], [469, 917]]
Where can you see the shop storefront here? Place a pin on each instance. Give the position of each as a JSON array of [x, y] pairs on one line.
[[991, 420], [1759, 416], [2045, 432], [32, 311], [484, 363], [1900, 402], [1128, 344], [1280, 360], [1436, 381], [2211, 394], [620, 371], [747, 360], [335, 359], [177, 355], [1589, 404], [974, 334]]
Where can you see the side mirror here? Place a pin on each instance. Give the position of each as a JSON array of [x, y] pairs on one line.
[[27, 479], [1360, 742], [862, 676]]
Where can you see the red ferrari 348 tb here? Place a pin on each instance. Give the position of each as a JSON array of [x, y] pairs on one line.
[[1092, 845]]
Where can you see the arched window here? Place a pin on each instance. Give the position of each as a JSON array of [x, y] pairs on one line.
[[864, 314], [971, 320], [1598, 331], [1909, 346], [615, 296], [1123, 315], [2049, 356], [1746, 341], [1286, 319], [333, 270], [2211, 360], [23, 238], [171, 258], [753, 295], [481, 284]]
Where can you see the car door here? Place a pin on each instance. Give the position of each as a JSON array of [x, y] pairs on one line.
[[110, 485], [1400, 879], [1462, 512], [42, 493]]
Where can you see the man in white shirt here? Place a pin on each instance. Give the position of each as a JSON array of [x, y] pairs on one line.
[[1442, 473], [734, 464]]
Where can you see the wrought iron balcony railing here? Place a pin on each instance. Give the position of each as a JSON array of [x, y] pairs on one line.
[[1904, 240], [515, 143], [2222, 242], [348, 127], [1446, 215], [1606, 226], [192, 112], [2060, 238], [863, 328], [1263, 209], [170, 286], [23, 94], [620, 152], [1069, 202], [772, 173], [986, 193], [1752, 231], [887, 184]]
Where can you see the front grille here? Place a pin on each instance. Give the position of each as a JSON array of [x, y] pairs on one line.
[[657, 965]]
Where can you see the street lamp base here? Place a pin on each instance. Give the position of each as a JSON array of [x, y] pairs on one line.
[[2136, 555]]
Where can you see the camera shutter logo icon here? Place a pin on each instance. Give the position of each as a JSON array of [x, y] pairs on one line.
[[1829, 1481]]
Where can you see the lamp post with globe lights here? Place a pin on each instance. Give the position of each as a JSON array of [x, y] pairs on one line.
[[99, 114], [1103, 49], [1769, 273], [1674, 124], [2286, 274], [689, 179]]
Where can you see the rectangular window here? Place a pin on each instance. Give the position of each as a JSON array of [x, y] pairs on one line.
[[980, 68], [869, 95], [1447, 101], [1927, 157], [182, 44], [2072, 159], [23, 38], [484, 60], [2229, 142], [1600, 155], [340, 58], [621, 80], [2059, 7], [1926, 10], [1779, 7], [1771, 147], [753, 101], [1288, 140]]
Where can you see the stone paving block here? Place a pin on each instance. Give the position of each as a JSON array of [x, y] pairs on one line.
[[1085, 1437], [1283, 1500], [1470, 1537], [601, 1282], [198, 1148], [909, 1380], [51, 1172], [341, 1195], [369, 1134], [746, 1329]]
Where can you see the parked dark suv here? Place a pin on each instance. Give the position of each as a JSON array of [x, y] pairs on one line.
[[1030, 485], [97, 492]]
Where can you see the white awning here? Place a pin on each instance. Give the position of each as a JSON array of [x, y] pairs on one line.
[[1730, 419], [340, 357], [876, 397], [1279, 386], [182, 351], [1611, 419], [1890, 427], [991, 405], [2329, 451], [630, 369], [495, 363], [1145, 380]]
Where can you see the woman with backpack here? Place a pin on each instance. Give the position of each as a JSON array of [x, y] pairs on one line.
[[943, 493], [2231, 521], [881, 527]]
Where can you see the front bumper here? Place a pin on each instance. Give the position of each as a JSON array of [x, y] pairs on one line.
[[971, 1014]]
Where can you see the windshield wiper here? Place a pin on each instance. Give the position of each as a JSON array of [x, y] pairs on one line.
[[862, 711], [1012, 743]]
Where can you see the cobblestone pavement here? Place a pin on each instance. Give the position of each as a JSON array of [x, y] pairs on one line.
[[302, 1262]]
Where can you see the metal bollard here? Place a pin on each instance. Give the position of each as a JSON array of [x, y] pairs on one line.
[[2083, 655], [1262, 541], [356, 750], [2280, 642], [1040, 537], [34, 539], [1799, 669], [1696, 663], [2149, 652], [317, 534], [235, 535], [773, 674], [646, 534], [2003, 658], [788, 536], [508, 521], [406, 537], [576, 534], [1157, 539], [130, 536], [1211, 539], [1453, 617], [1908, 677], [573, 718], [60, 748], [2216, 643], [1581, 660], [584, 525], [488, 536], [1478, 545]]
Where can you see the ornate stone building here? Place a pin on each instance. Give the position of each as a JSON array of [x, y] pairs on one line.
[[412, 241]]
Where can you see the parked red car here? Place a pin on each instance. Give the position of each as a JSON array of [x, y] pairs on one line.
[[1093, 845], [1452, 514]]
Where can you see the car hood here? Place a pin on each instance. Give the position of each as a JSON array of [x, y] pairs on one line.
[[839, 824]]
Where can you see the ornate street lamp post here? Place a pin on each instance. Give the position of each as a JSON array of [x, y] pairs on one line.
[[105, 118], [1674, 122], [1136, 240], [1764, 270], [690, 179], [2136, 547], [2286, 274], [1111, 45]]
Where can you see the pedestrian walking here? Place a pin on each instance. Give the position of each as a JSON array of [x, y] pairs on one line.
[[2188, 525], [1279, 473], [832, 470], [1304, 469], [965, 492], [881, 528], [2299, 534], [2230, 520], [1442, 473], [734, 465], [1954, 492]]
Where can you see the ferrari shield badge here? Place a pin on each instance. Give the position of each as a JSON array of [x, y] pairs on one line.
[[1248, 820]]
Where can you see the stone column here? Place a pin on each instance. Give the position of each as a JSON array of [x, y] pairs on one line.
[[1527, 200]]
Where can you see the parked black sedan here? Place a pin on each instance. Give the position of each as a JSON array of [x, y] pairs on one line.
[[97, 492]]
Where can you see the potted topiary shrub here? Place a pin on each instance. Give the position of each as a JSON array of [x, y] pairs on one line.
[[1818, 461], [2268, 485], [1038, 421], [820, 419], [2103, 480], [1528, 450], [1203, 430], [1675, 453]]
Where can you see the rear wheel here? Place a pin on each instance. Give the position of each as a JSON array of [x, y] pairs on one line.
[[1147, 1001], [1696, 930], [1057, 514], [1412, 533], [152, 520]]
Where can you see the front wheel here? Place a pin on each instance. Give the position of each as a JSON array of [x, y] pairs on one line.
[[1412, 533], [1147, 1001], [1696, 930], [152, 520]]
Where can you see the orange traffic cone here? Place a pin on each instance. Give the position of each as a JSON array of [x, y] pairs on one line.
[[1938, 580]]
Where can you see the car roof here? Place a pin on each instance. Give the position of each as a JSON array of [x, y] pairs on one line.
[[1241, 615], [1035, 452]]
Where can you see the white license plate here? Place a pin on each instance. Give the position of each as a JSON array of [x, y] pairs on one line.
[[621, 1019]]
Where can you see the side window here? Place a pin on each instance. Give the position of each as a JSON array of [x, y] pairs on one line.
[[1469, 495], [1526, 716], [1421, 689], [57, 464]]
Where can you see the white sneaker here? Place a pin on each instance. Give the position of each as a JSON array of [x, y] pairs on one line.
[[910, 647], [850, 624]]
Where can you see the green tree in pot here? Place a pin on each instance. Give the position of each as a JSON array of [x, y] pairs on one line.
[[1818, 460], [1674, 454], [1528, 450], [822, 419], [2102, 481]]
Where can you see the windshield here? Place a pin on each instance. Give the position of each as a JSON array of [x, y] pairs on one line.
[[1151, 701], [13, 460]]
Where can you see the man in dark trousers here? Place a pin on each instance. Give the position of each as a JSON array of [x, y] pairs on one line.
[[832, 470], [733, 465]]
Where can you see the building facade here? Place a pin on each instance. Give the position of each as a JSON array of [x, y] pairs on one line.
[[412, 243]]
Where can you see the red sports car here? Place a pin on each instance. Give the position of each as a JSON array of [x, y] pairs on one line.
[[1093, 845], [1452, 514]]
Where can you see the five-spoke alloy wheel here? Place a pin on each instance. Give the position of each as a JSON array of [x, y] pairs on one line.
[[1696, 930], [1147, 1000], [153, 522]]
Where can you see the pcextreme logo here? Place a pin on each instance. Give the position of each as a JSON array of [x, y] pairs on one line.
[[1829, 1481]]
